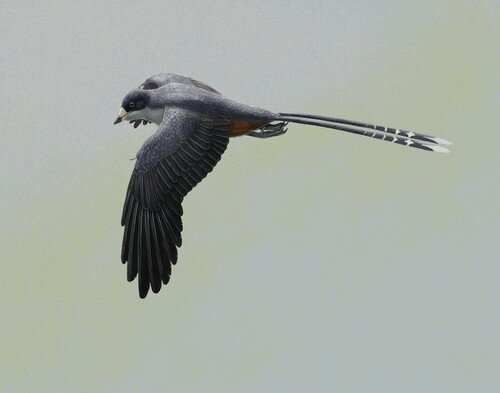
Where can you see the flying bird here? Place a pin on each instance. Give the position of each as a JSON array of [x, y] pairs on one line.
[[195, 123]]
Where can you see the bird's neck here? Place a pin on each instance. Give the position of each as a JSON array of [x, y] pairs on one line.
[[154, 115]]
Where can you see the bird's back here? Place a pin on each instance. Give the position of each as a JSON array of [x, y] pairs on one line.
[[208, 103]]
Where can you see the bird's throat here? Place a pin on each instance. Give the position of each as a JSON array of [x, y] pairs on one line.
[[153, 115]]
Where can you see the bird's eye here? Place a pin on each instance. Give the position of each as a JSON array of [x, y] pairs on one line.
[[132, 104]]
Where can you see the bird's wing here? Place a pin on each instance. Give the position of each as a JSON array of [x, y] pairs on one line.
[[203, 85], [156, 81], [171, 162]]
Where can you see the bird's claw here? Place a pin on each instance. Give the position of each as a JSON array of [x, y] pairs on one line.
[[137, 123], [270, 130]]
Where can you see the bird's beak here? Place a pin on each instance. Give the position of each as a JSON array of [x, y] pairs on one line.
[[121, 115]]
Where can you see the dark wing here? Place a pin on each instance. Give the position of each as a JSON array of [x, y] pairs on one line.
[[156, 81], [203, 85], [174, 160]]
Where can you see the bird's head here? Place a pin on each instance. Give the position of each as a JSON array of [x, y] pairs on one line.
[[133, 106]]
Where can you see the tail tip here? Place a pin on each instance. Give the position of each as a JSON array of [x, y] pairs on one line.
[[439, 149], [442, 141]]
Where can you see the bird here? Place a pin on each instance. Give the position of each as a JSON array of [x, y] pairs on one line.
[[195, 123]]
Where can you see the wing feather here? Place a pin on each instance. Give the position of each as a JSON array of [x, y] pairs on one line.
[[169, 165], [159, 80]]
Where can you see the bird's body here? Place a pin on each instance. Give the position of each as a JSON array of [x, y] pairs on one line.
[[202, 101], [195, 124]]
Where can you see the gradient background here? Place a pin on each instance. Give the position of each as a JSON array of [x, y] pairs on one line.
[[314, 261]]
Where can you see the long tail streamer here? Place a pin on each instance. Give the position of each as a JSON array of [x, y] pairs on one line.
[[389, 134]]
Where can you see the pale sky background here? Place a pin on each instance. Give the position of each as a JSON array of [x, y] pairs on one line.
[[316, 261]]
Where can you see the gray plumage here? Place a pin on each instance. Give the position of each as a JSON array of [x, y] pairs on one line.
[[155, 81], [195, 124]]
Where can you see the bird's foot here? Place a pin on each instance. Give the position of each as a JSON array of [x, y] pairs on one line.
[[137, 123], [270, 130]]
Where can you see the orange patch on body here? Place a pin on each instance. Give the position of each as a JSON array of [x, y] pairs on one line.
[[242, 127]]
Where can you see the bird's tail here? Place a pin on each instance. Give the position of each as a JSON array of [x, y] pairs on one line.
[[401, 137]]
